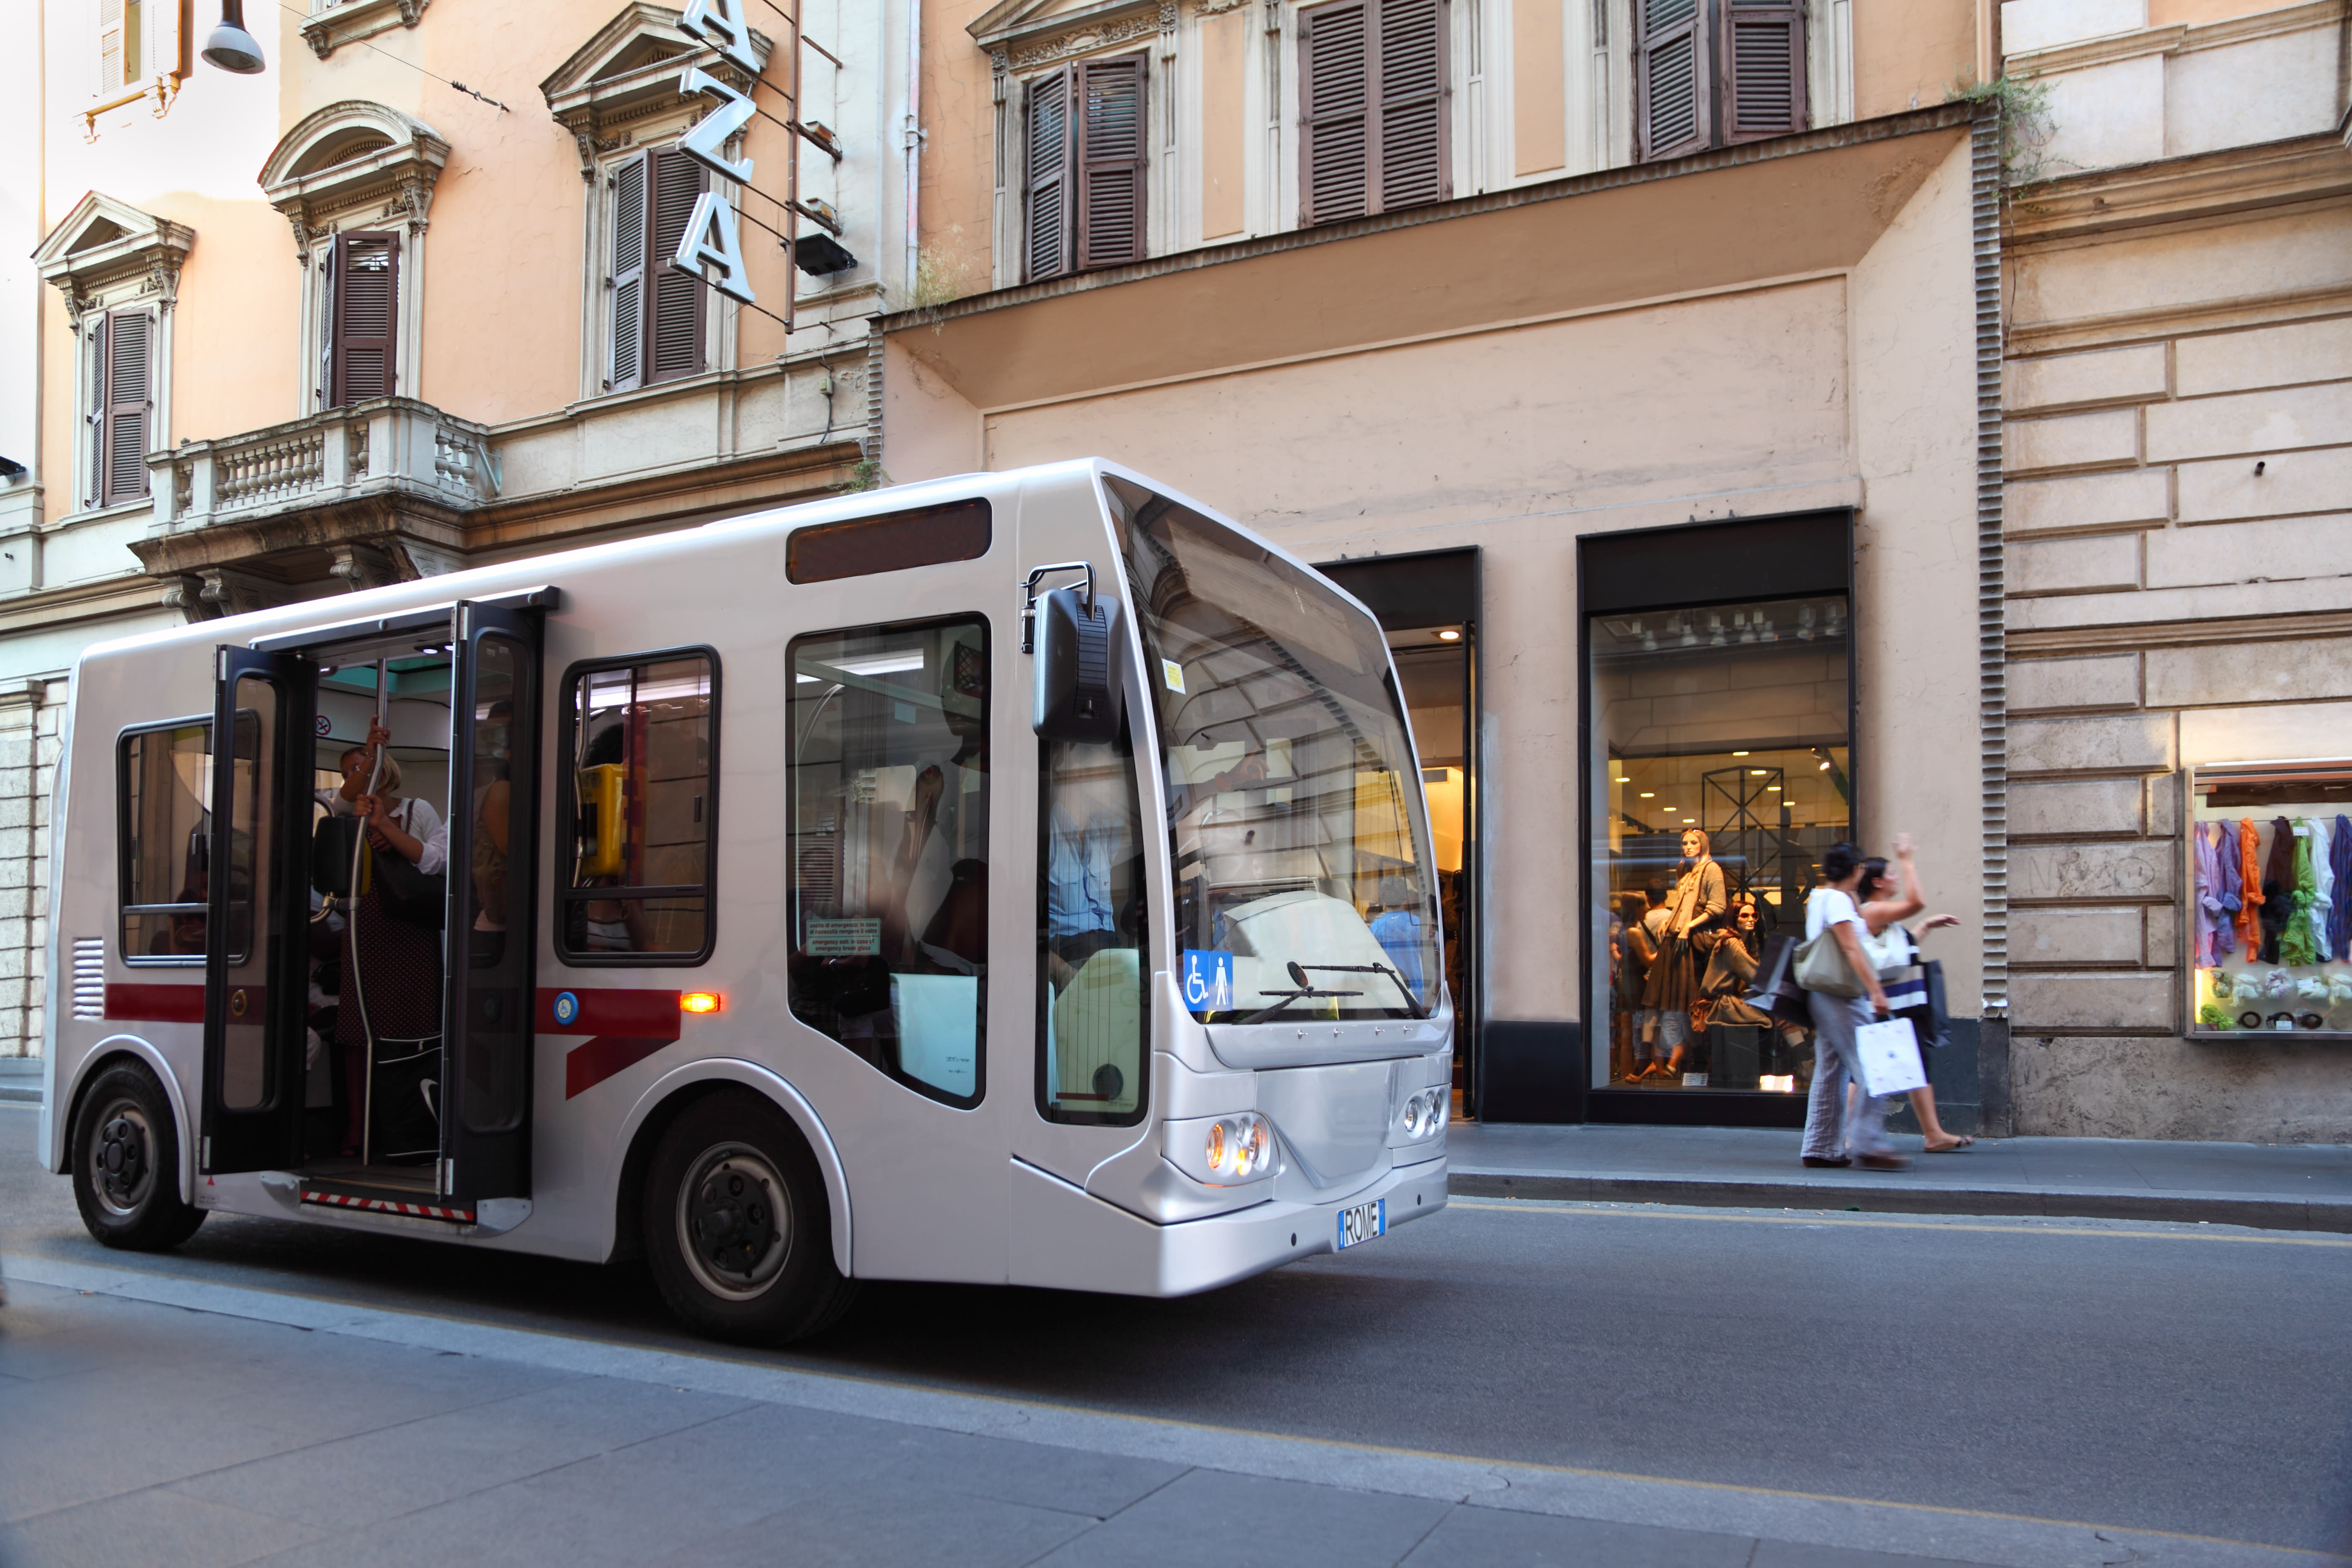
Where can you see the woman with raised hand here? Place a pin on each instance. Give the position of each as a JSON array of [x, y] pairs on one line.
[[1895, 950]]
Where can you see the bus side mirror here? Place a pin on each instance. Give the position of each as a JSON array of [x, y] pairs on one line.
[[1081, 666]]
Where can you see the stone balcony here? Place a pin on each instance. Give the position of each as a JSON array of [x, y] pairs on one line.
[[349, 497]]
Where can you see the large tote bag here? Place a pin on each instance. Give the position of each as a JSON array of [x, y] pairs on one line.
[[1821, 966], [1889, 1053]]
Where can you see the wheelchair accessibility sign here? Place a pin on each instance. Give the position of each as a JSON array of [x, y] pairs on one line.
[[1208, 981]]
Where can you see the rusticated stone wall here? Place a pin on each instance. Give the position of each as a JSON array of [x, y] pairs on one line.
[[2179, 579]]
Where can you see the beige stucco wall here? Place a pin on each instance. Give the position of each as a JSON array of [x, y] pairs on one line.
[[1851, 386]]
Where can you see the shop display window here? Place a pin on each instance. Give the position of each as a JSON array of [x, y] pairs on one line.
[[1720, 775], [2270, 919]]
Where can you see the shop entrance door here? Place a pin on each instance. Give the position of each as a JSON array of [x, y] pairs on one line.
[[1427, 605]]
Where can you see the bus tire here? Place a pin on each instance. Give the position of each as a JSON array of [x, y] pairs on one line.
[[126, 1163], [736, 1228]]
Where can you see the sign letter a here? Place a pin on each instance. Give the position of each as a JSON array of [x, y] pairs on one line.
[[713, 237], [720, 24], [716, 129]]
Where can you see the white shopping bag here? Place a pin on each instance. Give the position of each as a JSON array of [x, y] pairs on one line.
[[1889, 1054]]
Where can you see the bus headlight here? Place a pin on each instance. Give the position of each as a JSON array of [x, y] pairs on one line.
[[1238, 1147], [1424, 1116], [1224, 1151]]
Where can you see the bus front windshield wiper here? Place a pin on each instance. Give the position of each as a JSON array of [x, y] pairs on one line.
[[1306, 989], [1412, 1003]]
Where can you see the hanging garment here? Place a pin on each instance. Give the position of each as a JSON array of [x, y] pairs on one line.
[[2250, 888], [2339, 907], [2225, 927], [2323, 897], [2296, 945], [2278, 887], [2205, 907]]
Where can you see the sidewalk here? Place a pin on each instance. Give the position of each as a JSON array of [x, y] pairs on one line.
[[2275, 1187]]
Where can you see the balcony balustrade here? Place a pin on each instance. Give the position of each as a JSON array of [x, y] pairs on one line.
[[393, 448]]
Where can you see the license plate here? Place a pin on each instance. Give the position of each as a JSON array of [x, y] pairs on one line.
[[1363, 1222]]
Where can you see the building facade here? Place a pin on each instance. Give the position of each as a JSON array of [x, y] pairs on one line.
[[404, 302], [1792, 423], [2179, 399]]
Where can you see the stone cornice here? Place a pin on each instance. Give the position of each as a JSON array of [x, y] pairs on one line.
[[150, 247], [2052, 642], [2178, 190], [2179, 38], [1018, 40]]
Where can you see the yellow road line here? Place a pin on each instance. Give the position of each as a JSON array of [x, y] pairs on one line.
[[1809, 1216]]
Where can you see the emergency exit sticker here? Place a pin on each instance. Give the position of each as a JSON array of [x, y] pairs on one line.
[[1208, 980]]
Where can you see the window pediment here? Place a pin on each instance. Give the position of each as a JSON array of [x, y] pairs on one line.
[[352, 162], [619, 84], [1024, 34], [104, 247]]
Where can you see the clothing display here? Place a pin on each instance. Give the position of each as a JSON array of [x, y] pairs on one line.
[[2296, 945], [2269, 905], [2250, 888]]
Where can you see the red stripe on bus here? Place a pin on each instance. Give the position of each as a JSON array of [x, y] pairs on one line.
[[640, 1014], [585, 1067], [147, 1004]]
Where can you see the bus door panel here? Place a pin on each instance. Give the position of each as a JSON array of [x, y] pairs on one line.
[[492, 875], [256, 951]]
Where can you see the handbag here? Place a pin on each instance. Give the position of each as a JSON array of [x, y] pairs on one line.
[[410, 894], [1931, 1023], [1821, 966]]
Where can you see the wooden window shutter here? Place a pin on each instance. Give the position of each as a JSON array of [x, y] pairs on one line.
[[673, 319], [1046, 248], [1113, 132], [366, 282], [110, 47], [625, 369], [1673, 107], [1335, 93], [1412, 145], [1763, 69], [94, 368], [130, 398]]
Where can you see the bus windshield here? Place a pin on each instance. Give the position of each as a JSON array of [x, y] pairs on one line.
[[1294, 801]]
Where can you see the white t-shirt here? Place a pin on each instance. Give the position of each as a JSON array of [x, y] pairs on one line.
[[1828, 907]]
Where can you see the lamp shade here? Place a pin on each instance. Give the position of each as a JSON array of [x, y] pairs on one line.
[[231, 48]]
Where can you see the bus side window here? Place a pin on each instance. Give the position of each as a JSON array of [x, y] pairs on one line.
[[638, 808], [886, 762], [165, 826]]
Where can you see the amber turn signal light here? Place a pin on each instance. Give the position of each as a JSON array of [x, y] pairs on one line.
[[698, 1002]]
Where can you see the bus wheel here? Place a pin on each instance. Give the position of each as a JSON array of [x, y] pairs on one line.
[[736, 1228], [126, 1163]]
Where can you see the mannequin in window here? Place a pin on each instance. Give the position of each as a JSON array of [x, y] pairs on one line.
[[1694, 914]]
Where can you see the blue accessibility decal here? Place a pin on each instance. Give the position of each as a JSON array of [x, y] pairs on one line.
[[1208, 980]]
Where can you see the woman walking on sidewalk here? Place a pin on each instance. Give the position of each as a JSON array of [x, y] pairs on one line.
[[1895, 950], [1835, 1018]]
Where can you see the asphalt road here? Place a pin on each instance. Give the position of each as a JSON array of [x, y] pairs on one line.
[[2188, 1379]]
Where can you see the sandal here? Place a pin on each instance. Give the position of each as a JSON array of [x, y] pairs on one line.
[[1959, 1143]]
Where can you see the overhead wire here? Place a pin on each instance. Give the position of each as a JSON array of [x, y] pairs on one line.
[[412, 64]]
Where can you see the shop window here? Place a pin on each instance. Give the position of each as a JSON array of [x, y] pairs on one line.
[[1719, 751], [888, 770], [1086, 159], [1373, 97], [639, 810], [1713, 73], [163, 856], [2269, 859], [656, 331]]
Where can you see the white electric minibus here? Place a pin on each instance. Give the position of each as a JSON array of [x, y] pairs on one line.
[[1016, 878]]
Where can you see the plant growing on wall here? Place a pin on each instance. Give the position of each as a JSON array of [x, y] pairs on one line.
[[2023, 103]]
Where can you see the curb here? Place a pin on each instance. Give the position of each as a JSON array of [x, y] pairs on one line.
[[1882, 1196]]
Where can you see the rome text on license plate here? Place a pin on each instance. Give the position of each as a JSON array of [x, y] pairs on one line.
[[1363, 1222]]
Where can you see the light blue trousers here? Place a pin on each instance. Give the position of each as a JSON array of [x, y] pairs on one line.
[[1832, 1126]]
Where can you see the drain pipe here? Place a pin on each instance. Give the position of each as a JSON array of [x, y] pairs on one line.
[[914, 141]]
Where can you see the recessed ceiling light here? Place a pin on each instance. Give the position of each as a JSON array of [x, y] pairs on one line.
[[1649, 794], [1760, 773], [1449, 635], [1738, 754]]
